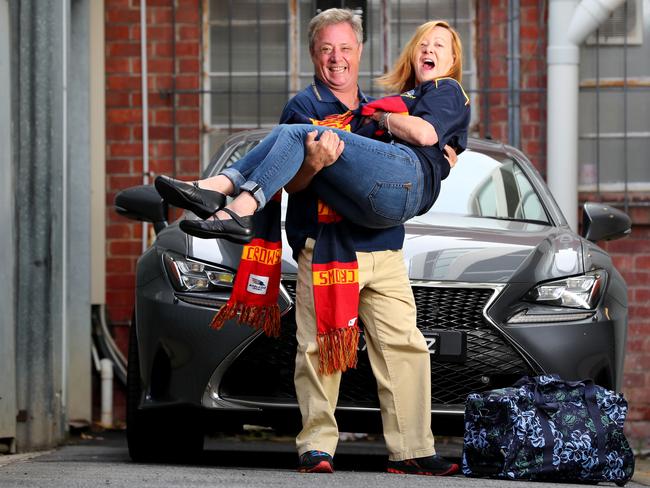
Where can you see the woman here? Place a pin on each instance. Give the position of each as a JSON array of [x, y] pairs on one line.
[[372, 183]]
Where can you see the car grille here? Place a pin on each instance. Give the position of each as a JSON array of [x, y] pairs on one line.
[[264, 370]]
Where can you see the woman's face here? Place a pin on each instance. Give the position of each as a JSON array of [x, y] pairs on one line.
[[434, 55]]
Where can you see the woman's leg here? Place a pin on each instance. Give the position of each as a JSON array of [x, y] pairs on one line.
[[209, 197], [272, 164], [229, 180], [373, 184], [284, 154]]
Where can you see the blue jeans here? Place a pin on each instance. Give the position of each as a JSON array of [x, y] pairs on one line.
[[373, 183]]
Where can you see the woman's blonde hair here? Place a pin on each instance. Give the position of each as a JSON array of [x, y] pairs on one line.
[[402, 76]]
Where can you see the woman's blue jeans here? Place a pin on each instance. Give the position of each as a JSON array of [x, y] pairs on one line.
[[373, 183]]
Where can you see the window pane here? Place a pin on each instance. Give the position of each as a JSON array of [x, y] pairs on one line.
[[612, 169], [247, 9], [607, 109], [306, 13], [251, 47], [247, 101], [219, 51]]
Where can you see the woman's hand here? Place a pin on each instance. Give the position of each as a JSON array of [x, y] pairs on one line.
[[450, 155], [377, 114]]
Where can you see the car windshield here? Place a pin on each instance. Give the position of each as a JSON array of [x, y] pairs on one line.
[[487, 185], [480, 185]]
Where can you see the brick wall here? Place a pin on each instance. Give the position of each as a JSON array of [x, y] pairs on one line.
[[632, 258], [632, 254], [174, 136], [491, 54]]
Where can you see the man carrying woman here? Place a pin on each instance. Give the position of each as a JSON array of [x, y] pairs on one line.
[[397, 350]]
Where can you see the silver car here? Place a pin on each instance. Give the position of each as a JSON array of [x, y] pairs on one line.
[[504, 288]]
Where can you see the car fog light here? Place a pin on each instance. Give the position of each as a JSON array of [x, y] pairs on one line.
[[189, 275]]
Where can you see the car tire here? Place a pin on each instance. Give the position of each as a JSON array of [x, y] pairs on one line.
[[161, 434]]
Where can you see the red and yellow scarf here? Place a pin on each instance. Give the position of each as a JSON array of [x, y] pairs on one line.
[[335, 275], [254, 298]]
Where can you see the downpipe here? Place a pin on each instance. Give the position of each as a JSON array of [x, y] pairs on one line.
[[105, 368], [106, 371], [570, 23]]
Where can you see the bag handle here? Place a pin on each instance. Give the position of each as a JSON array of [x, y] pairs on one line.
[[589, 396], [594, 413]]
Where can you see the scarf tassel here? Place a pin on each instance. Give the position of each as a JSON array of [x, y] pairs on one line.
[[264, 317], [338, 350]]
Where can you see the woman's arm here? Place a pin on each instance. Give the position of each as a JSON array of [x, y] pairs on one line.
[[408, 128]]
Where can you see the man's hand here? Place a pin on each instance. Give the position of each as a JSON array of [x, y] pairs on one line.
[[318, 155], [450, 155], [324, 151]]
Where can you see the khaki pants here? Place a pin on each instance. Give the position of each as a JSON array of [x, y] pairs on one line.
[[397, 351]]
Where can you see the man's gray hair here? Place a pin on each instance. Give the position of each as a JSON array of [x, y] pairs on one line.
[[333, 16]]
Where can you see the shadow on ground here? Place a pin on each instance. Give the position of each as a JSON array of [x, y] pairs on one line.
[[269, 451]]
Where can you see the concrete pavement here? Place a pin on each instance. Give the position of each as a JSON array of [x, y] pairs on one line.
[[102, 460]]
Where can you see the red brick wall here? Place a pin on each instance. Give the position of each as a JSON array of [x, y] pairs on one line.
[[124, 121], [632, 254], [491, 53], [124, 126], [632, 258]]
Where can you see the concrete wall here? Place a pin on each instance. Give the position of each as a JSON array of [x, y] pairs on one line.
[[50, 193], [7, 246]]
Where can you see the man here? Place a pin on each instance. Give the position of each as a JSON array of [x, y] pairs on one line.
[[397, 350]]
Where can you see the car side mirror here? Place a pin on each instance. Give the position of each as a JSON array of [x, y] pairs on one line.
[[602, 222], [142, 203]]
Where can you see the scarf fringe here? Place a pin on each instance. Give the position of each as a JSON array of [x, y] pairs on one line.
[[264, 317], [337, 350]]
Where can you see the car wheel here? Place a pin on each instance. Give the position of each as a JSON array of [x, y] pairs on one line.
[[158, 435]]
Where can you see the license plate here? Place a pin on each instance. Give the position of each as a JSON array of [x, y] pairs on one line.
[[449, 346]]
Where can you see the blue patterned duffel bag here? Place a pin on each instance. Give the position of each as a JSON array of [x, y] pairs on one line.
[[545, 428]]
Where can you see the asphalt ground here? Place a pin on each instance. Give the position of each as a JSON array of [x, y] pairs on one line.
[[101, 459]]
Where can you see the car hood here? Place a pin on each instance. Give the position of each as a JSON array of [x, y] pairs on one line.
[[455, 248], [482, 250]]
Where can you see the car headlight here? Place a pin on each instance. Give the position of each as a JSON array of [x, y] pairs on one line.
[[566, 300], [582, 291], [189, 275]]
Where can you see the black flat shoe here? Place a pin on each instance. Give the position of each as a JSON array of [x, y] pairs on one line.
[[238, 229], [189, 196]]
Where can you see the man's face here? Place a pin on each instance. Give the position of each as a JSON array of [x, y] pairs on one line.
[[336, 56]]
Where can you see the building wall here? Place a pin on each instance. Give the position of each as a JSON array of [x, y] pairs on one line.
[[124, 145], [632, 258], [173, 53], [494, 84]]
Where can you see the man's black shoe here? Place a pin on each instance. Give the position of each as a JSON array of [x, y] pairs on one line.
[[316, 462], [189, 196], [428, 466], [238, 229]]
